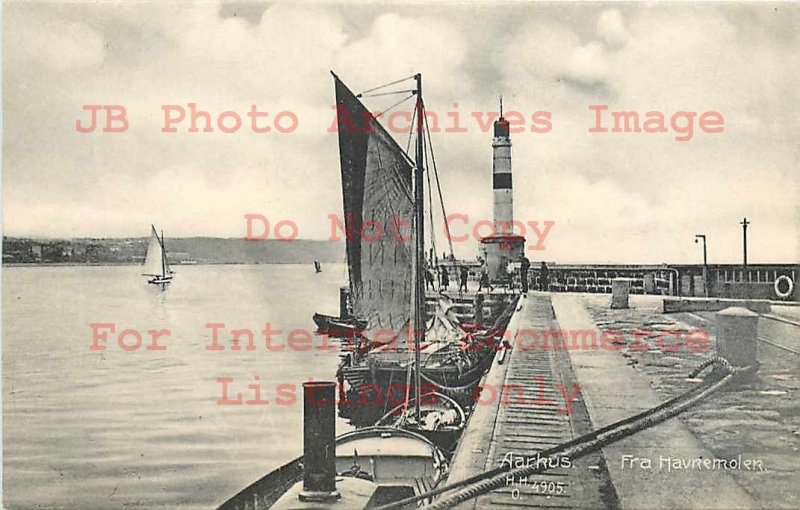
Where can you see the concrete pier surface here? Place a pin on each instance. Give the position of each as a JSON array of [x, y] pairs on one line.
[[613, 391], [738, 449], [539, 408], [759, 420]]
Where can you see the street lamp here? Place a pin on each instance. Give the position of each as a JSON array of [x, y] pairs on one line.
[[744, 223], [745, 272], [705, 262]]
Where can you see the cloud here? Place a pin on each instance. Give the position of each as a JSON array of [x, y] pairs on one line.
[[552, 60], [649, 186], [646, 190], [587, 65], [58, 45], [394, 46], [611, 28]]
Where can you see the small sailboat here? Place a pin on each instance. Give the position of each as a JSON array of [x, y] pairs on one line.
[[156, 264], [317, 266]]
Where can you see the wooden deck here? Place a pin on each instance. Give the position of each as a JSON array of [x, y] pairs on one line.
[[531, 415]]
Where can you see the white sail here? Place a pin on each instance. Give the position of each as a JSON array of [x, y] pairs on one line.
[[152, 262], [167, 270]]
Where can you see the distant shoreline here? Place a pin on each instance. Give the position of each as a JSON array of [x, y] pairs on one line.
[[96, 264], [65, 264]]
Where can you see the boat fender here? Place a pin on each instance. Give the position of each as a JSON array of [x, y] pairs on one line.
[[789, 286]]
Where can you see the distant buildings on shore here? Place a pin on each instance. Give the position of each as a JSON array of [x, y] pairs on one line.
[[78, 251], [192, 250]]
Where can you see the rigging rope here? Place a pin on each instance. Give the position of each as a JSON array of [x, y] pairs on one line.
[[434, 260], [379, 114], [430, 201], [386, 85], [411, 130], [439, 189], [412, 91]]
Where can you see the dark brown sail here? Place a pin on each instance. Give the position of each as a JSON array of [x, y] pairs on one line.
[[379, 209]]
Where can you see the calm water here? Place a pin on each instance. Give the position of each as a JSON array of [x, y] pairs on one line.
[[115, 429]]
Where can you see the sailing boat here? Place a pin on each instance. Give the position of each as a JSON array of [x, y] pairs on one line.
[[374, 465], [156, 264], [377, 193], [382, 190]]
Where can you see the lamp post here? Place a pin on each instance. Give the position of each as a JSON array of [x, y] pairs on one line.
[[705, 262], [744, 224], [745, 272]]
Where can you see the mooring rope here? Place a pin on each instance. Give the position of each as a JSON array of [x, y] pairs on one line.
[[486, 482]]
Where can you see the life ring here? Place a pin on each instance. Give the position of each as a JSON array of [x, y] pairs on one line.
[[789, 286]]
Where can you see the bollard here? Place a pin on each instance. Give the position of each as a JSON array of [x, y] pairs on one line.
[[737, 332], [319, 442], [649, 283], [478, 309], [620, 288]]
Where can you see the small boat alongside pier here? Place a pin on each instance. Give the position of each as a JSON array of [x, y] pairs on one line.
[[370, 467]]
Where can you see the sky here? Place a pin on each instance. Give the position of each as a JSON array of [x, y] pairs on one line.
[[613, 197]]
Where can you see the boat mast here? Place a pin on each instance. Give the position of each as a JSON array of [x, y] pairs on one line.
[[419, 252], [163, 256]]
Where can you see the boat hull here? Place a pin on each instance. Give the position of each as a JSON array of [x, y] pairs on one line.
[[442, 419], [160, 280], [338, 326], [385, 456], [377, 380], [376, 389]]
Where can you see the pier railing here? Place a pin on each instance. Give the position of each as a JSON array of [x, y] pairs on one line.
[[687, 280]]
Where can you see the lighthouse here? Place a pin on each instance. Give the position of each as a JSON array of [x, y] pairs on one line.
[[501, 176], [503, 247]]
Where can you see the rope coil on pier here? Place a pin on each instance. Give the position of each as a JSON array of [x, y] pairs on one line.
[[486, 482]]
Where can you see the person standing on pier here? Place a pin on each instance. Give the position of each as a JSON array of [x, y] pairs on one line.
[[523, 273], [544, 277], [464, 275], [429, 278], [445, 279], [485, 281]]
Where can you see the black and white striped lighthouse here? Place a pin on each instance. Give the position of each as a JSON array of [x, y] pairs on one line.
[[503, 248], [501, 176]]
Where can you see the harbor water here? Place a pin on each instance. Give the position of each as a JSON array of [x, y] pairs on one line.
[[143, 428]]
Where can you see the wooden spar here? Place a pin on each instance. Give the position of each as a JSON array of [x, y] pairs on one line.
[[163, 256], [419, 252]]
